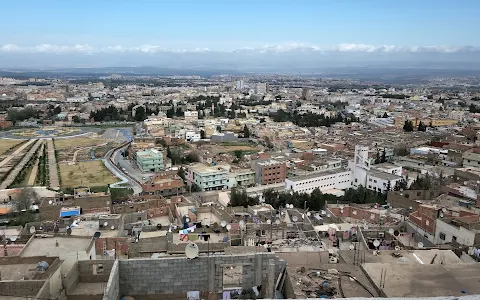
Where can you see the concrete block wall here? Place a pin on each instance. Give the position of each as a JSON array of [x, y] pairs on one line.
[[71, 279], [86, 270], [112, 290], [21, 288], [180, 275]]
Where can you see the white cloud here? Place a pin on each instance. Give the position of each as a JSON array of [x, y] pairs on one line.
[[280, 48]]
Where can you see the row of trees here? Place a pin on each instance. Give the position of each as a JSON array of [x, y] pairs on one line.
[[17, 115], [314, 201], [178, 156], [310, 119], [408, 126]]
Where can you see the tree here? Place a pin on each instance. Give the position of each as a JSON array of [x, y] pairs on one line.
[[384, 156], [377, 158], [385, 115], [219, 128], [140, 114], [57, 110], [179, 112], [422, 127], [238, 154], [408, 126], [246, 132], [25, 200], [181, 173], [170, 112], [76, 119]]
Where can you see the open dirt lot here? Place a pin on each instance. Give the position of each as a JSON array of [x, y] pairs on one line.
[[78, 142], [7, 144], [91, 173]]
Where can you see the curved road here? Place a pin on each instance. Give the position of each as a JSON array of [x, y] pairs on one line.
[[112, 156]]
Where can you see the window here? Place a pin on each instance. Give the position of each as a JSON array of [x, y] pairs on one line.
[[454, 238], [442, 236], [427, 222], [97, 269]]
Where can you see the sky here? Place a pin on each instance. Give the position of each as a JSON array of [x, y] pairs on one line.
[[187, 28]]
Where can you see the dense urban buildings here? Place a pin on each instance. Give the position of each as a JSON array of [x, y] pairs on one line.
[[253, 187]]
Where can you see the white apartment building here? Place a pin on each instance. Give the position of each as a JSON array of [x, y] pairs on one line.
[[340, 179], [192, 136], [370, 176], [190, 116]]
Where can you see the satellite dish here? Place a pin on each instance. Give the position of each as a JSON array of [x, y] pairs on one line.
[[277, 222], [441, 214], [317, 215], [69, 231], [391, 231], [32, 229], [303, 216], [97, 234], [269, 221], [365, 226], [444, 210], [223, 224], [309, 214], [50, 202], [328, 215], [105, 224], [294, 218], [229, 227], [351, 247], [191, 251], [323, 212], [396, 233], [397, 248], [113, 227], [376, 243], [420, 245]]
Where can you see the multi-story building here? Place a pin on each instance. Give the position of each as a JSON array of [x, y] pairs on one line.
[[192, 136], [207, 178], [242, 177], [271, 171], [261, 88], [378, 179], [340, 179], [471, 158], [164, 184], [150, 160], [190, 116]]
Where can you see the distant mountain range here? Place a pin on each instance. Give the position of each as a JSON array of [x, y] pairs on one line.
[[339, 64]]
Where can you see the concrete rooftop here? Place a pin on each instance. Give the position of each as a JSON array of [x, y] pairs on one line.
[[47, 246]]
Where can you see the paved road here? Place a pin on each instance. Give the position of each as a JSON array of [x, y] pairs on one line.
[[133, 171], [33, 174], [137, 189], [16, 170], [16, 152], [52, 166]]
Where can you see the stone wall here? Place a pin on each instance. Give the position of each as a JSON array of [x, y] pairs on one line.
[[205, 273]]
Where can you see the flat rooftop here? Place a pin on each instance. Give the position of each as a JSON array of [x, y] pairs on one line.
[[415, 280], [317, 174], [47, 246], [18, 271]]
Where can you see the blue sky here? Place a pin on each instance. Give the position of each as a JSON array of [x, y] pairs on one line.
[[231, 24]]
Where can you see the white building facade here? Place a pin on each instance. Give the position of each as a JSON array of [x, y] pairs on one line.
[[338, 179]]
